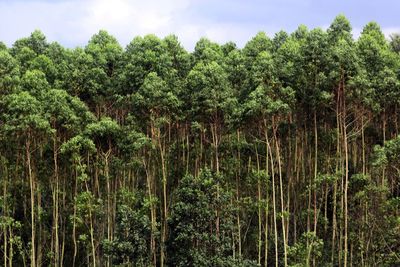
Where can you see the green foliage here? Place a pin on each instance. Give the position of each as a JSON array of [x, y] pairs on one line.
[[206, 51], [66, 111], [308, 247], [78, 144], [340, 28], [36, 42], [23, 114], [9, 73], [192, 216], [104, 132], [34, 82], [132, 234], [155, 156], [155, 97], [210, 96], [144, 55]]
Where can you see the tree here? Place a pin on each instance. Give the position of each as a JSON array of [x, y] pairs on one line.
[[268, 103], [159, 102], [25, 119], [344, 62]]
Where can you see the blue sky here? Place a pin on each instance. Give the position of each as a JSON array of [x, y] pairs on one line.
[[73, 22]]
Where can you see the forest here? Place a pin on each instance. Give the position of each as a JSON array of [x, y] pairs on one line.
[[285, 152]]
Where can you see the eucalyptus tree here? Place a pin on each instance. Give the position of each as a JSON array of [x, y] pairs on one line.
[[343, 67], [78, 74], [159, 104], [211, 102], [380, 64], [176, 81], [142, 56], [9, 82], [267, 104], [25, 122], [86, 206], [259, 43], [106, 53], [105, 134], [313, 99], [67, 116], [153, 75]]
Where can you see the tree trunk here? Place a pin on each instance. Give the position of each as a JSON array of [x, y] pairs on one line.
[[278, 155], [32, 189], [273, 193]]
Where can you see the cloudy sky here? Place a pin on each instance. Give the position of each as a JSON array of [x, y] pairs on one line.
[[72, 22]]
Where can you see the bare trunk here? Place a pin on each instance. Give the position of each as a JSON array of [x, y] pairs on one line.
[[273, 195], [32, 189]]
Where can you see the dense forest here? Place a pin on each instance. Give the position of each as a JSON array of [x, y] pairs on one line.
[[285, 152]]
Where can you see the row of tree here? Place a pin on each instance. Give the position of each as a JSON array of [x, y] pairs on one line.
[[283, 153]]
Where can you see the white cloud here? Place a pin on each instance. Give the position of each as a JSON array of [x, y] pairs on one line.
[[127, 19], [19, 19], [73, 22]]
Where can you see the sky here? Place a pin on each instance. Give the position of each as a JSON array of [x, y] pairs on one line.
[[73, 22]]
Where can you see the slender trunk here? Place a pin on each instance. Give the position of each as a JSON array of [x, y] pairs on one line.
[[346, 184], [55, 204], [152, 213], [267, 202], [315, 169], [238, 197], [11, 250], [363, 146], [278, 155], [40, 230], [273, 194], [164, 184], [384, 140], [214, 132], [74, 218], [92, 242], [109, 220], [32, 189], [259, 241], [5, 214]]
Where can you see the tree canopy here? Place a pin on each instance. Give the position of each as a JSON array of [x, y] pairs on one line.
[[285, 152]]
